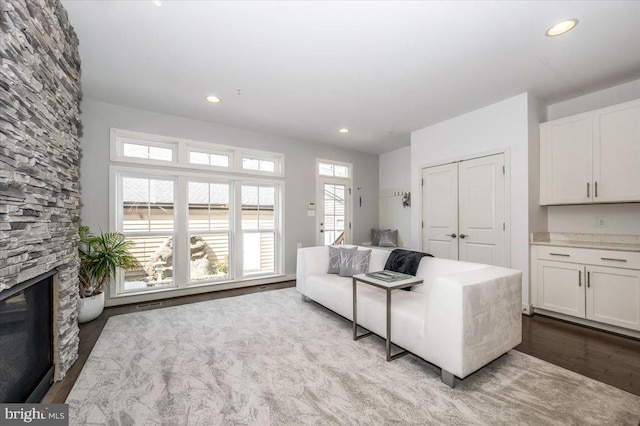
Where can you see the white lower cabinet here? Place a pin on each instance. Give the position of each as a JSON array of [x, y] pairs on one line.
[[613, 296], [560, 288], [580, 283]]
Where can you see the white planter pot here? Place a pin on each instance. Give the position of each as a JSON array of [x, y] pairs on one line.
[[91, 307]]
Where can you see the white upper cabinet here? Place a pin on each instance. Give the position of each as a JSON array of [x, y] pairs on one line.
[[566, 147], [616, 159], [592, 157]]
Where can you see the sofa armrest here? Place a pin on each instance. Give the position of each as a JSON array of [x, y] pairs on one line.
[[473, 317], [310, 261]]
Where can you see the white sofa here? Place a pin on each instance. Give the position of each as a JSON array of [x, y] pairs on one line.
[[462, 317]]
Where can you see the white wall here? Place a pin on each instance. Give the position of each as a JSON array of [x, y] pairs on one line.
[[300, 164], [497, 126], [621, 218], [395, 176]]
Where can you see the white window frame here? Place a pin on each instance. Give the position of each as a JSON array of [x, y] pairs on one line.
[[181, 172], [277, 230], [231, 232], [182, 149]]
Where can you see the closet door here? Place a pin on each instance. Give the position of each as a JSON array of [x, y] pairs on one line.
[[481, 211], [440, 211]]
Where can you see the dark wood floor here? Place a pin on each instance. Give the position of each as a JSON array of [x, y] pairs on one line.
[[603, 356], [606, 357]]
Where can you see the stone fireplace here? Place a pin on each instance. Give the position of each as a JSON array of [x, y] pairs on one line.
[[39, 157]]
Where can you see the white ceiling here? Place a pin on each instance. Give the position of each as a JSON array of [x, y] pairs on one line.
[[382, 69]]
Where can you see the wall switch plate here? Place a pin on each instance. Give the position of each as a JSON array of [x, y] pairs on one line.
[[299, 245], [601, 222]]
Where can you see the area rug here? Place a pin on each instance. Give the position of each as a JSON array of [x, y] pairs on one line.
[[271, 359]]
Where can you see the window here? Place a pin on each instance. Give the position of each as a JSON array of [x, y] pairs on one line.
[[336, 170], [209, 158], [147, 213], [140, 148], [191, 224], [258, 228], [209, 231], [263, 165]]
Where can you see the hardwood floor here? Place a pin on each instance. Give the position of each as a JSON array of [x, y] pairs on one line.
[[603, 356]]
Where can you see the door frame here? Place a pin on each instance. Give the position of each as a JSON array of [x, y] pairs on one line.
[[506, 151], [348, 208]]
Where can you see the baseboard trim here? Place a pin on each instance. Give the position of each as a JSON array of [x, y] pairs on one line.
[[527, 309], [151, 296], [591, 324]]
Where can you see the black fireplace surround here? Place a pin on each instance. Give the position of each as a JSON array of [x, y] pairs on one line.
[[26, 340]]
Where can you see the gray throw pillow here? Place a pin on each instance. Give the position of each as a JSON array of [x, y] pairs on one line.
[[375, 236], [354, 262], [388, 238], [334, 258]]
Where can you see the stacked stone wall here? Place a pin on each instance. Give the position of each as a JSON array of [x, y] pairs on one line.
[[40, 155]]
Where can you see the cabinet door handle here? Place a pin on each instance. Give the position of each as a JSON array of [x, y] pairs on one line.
[[596, 189], [587, 189], [588, 279], [579, 278], [560, 254], [615, 260]]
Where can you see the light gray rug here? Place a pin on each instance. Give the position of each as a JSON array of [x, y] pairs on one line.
[[271, 359]]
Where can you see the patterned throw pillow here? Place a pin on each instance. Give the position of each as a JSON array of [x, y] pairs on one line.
[[354, 262], [388, 238], [334, 258], [375, 235]]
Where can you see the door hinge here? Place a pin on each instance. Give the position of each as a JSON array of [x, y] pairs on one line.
[[349, 225], [502, 169], [422, 182], [504, 226], [349, 191], [423, 223]]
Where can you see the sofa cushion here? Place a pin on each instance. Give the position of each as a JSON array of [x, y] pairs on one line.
[[334, 258], [354, 262], [431, 268]]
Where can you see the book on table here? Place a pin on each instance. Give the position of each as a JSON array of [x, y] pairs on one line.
[[389, 276]]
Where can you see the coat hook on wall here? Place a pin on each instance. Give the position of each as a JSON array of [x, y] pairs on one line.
[[406, 197]]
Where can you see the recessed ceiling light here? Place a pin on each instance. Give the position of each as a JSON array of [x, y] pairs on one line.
[[158, 3], [561, 27], [344, 130], [213, 99]]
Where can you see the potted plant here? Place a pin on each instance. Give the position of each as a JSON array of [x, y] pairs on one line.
[[100, 257]]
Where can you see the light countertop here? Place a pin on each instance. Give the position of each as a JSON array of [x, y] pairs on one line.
[[593, 241]]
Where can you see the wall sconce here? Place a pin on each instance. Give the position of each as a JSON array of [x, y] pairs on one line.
[[406, 198]]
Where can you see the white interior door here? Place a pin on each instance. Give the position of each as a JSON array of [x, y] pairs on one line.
[[334, 224], [481, 216], [440, 210]]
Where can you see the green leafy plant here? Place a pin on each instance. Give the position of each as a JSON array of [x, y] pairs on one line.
[[100, 257]]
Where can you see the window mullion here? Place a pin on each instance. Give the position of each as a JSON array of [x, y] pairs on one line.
[[238, 235], [181, 246]]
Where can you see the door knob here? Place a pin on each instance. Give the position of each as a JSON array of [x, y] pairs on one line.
[[451, 235], [322, 230], [463, 236]]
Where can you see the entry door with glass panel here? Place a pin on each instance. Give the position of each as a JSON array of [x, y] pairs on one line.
[[333, 203], [333, 223]]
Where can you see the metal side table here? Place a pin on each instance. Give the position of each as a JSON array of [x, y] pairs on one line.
[[385, 285]]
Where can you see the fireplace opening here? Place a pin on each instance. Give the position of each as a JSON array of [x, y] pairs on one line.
[[26, 340]]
